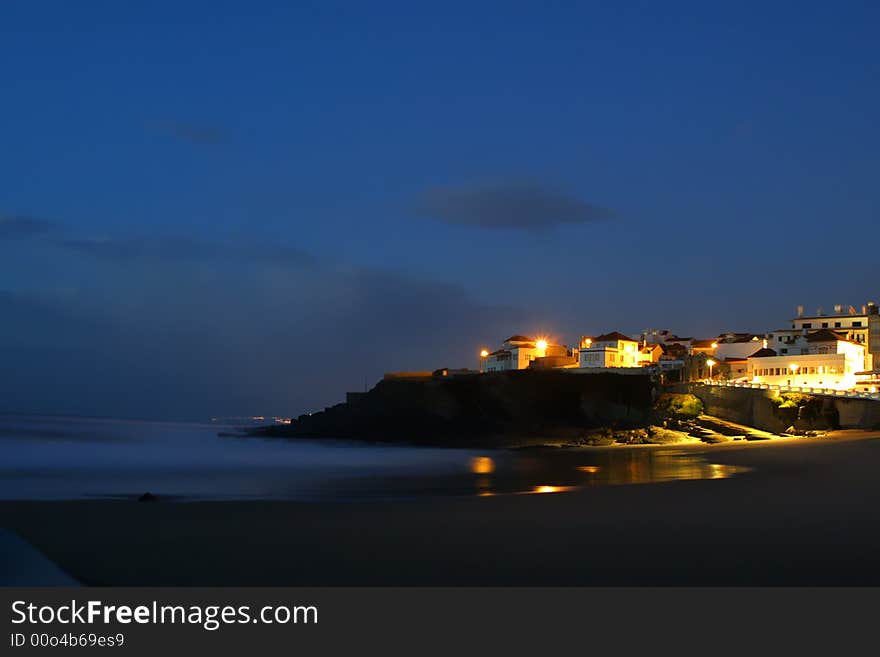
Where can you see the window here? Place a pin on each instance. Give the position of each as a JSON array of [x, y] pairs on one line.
[[836, 324], [808, 325], [824, 324], [856, 324]]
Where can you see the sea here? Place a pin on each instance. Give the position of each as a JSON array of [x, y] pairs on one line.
[[57, 458]]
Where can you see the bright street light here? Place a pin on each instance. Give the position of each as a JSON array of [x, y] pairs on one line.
[[711, 364], [484, 353], [541, 344]]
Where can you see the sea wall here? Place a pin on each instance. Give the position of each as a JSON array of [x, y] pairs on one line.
[[762, 409], [496, 408]]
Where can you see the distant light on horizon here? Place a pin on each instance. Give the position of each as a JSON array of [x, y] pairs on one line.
[[482, 465]]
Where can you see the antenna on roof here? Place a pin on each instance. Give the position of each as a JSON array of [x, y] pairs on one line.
[[800, 310]]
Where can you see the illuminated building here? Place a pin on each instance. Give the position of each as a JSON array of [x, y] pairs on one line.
[[610, 350], [861, 326], [821, 359], [738, 346], [649, 354], [519, 351]]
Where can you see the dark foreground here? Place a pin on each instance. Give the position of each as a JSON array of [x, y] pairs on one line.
[[807, 515]]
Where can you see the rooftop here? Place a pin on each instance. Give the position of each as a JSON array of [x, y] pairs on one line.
[[825, 335], [613, 337], [842, 311], [519, 338]]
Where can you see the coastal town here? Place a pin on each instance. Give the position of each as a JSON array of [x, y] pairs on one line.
[[835, 352]]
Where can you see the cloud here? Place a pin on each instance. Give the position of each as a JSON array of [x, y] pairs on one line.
[[180, 248], [194, 133], [512, 205], [260, 339], [21, 227]]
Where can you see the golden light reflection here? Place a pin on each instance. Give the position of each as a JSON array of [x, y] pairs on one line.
[[551, 489], [482, 465], [592, 469]]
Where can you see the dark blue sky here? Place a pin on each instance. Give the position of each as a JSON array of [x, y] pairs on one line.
[[230, 207]]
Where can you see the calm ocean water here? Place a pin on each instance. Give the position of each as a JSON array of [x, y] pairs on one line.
[[73, 458]]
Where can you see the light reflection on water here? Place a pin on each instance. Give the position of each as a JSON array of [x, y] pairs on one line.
[[562, 472], [64, 458]]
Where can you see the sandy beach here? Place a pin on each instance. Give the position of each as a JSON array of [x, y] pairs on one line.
[[806, 514]]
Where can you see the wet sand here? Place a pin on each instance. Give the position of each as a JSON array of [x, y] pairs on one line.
[[806, 515]]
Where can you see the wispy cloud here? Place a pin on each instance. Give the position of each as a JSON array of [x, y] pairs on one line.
[[511, 205], [180, 248], [180, 344], [16, 227], [194, 133]]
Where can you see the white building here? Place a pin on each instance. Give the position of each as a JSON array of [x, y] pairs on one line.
[[609, 350], [518, 351], [861, 326], [650, 353], [820, 359], [738, 346]]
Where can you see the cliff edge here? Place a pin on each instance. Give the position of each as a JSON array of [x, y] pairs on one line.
[[492, 409]]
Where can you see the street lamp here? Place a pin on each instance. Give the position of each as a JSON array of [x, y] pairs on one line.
[[711, 364], [483, 354], [541, 345]]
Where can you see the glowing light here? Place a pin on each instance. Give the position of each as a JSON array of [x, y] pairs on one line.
[[793, 367], [592, 469], [482, 465], [551, 489], [541, 344], [714, 345], [484, 353], [711, 364]]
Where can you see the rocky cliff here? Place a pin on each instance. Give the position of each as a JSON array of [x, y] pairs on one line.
[[773, 411], [501, 408]]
